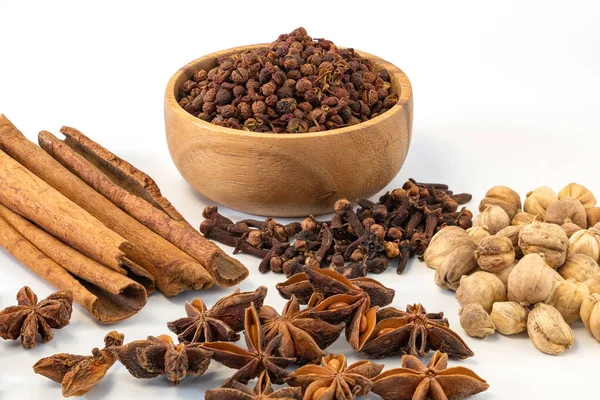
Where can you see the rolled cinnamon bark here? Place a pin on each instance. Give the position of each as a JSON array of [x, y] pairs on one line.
[[138, 195], [174, 270], [29, 196], [103, 292]]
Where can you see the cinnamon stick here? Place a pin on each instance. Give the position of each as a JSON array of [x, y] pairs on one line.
[[137, 194], [106, 294], [29, 196], [174, 270]]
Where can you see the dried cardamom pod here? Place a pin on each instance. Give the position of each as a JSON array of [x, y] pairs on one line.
[[583, 269], [586, 242], [531, 280], [567, 297], [570, 229], [504, 274], [481, 287], [509, 317], [457, 264], [492, 217], [476, 321], [590, 314], [478, 232], [504, 197], [443, 243], [579, 192], [512, 232], [538, 200], [548, 330], [549, 239], [523, 218], [566, 210], [495, 253]]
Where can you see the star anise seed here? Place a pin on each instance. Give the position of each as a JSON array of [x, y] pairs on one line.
[[221, 323], [333, 379], [29, 318], [260, 354], [303, 337], [262, 391], [79, 374], [415, 381]]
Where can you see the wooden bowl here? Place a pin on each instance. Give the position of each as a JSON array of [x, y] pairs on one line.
[[287, 175]]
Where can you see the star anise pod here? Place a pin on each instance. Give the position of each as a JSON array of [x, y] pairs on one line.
[[333, 379], [30, 318], [160, 356], [262, 391], [414, 332], [78, 374], [219, 324], [303, 336], [415, 381], [260, 355]]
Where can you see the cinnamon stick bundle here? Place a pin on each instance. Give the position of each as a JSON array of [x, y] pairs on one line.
[[174, 270], [138, 195], [106, 294]]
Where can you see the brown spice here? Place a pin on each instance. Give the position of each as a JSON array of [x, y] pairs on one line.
[[29, 318], [79, 374], [262, 391]]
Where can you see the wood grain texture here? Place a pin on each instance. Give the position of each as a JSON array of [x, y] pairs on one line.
[[287, 175]]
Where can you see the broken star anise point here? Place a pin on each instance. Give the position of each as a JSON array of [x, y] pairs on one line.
[[262, 391], [30, 319]]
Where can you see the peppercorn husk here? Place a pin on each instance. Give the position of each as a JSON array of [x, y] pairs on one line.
[[590, 314], [481, 287], [523, 218], [570, 228], [504, 197], [538, 200], [457, 264], [476, 321], [512, 232], [567, 210], [566, 297], [509, 317], [582, 268], [578, 192], [478, 232], [549, 239], [495, 253], [443, 243], [548, 330], [586, 242], [492, 217], [531, 280]]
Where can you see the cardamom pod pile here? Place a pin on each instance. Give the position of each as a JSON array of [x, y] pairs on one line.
[[531, 268]]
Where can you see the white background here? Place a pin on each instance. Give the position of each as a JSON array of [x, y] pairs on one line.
[[505, 93]]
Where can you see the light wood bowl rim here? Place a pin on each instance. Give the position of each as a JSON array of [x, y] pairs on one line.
[[395, 72]]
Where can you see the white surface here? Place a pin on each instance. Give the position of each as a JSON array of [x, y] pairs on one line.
[[505, 93]]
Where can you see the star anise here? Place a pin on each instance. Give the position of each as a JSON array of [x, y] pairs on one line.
[[414, 332], [30, 318], [260, 355], [415, 381], [303, 337], [221, 323], [333, 379], [78, 374], [160, 356], [262, 391]]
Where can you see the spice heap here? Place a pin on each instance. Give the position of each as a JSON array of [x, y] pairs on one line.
[[89, 222], [355, 241], [275, 341], [534, 270], [294, 85]]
